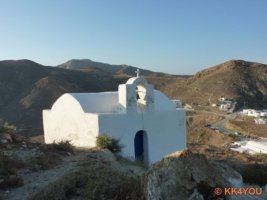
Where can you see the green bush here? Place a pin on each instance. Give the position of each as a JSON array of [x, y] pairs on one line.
[[107, 142], [7, 128]]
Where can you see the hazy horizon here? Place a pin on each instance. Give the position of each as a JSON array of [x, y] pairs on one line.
[[205, 67]]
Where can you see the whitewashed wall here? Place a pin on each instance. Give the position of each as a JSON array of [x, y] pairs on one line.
[[67, 121], [166, 131]]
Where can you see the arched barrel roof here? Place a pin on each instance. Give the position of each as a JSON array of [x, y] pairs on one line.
[[103, 102]]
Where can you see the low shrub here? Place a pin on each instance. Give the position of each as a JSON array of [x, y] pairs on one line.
[[121, 187], [64, 146], [94, 183], [255, 174], [5, 167], [7, 128], [8, 174], [11, 181], [61, 147], [235, 137], [44, 161], [107, 142], [259, 157]]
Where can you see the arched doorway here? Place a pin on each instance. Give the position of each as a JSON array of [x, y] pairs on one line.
[[141, 146]]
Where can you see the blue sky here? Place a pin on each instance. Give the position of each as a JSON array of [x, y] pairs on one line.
[[173, 36]]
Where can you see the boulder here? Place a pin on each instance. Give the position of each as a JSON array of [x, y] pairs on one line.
[[18, 138], [184, 175], [5, 138]]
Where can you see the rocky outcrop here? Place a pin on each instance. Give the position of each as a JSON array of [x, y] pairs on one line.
[[184, 175], [5, 138]]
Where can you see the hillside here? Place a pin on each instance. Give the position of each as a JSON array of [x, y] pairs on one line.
[[27, 88], [87, 65], [241, 80], [59, 171]]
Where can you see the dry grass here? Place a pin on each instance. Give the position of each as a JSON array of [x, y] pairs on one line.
[[8, 172], [63, 148], [132, 161], [94, 182], [247, 126], [198, 133], [229, 79], [224, 153], [44, 161], [51, 155], [259, 158]]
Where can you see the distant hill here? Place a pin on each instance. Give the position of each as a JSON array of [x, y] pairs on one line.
[[244, 81], [87, 65], [27, 87]]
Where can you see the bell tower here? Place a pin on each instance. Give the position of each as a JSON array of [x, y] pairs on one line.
[[137, 95]]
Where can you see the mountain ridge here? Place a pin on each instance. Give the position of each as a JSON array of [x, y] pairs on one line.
[[28, 87], [123, 69], [238, 79]]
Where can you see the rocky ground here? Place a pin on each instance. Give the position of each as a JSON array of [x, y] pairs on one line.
[[32, 170], [27, 170]]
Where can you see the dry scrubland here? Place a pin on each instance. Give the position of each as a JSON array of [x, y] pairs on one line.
[[30, 170], [197, 133], [247, 126], [94, 178], [58, 171], [33, 170], [241, 80], [215, 145]]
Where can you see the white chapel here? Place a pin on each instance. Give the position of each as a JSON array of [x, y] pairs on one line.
[[145, 121]]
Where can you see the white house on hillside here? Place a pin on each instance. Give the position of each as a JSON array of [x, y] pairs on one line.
[[255, 113], [145, 121], [251, 112], [260, 121], [226, 105]]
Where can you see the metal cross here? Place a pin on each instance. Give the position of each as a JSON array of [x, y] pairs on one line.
[[137, 73]]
